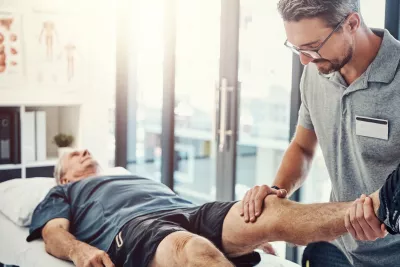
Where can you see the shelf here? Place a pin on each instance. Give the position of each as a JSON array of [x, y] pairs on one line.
[[45, 163], [40, 98], [10, 166]]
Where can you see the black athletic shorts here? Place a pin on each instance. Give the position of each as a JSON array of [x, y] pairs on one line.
[[136, 243]]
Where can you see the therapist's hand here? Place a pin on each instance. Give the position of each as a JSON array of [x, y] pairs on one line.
[[361, 221], [253, 201], [85, 255]]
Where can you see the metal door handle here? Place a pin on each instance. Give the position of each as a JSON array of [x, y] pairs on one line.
[[223, 132]]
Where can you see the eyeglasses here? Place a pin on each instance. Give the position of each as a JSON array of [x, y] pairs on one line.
[[313, 53]]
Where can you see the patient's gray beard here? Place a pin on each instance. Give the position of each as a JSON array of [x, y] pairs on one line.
[[99, 169], [91, 170]]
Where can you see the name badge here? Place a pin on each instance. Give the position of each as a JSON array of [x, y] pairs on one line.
[[370, 127]]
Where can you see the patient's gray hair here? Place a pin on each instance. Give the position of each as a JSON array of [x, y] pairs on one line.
[[58, 169], [332, 11]]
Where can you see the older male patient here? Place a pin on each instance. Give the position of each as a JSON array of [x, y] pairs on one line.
[[95, 220]]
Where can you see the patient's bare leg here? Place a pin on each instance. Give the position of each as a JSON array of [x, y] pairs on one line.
[[187, 249], [283, 220]]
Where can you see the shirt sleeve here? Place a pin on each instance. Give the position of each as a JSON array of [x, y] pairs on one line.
[[389, 208], [55, 205], [304, 113]]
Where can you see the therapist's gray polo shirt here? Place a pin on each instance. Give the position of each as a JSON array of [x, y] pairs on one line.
[[358, 163]]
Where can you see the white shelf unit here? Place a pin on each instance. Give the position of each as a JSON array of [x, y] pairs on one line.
[[40, 97], [10, 166], [64, 118], [44, 163]]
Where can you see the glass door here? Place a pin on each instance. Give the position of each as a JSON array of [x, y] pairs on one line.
[[196, 75], [265, 74], [175, 116], [205, 94], [146, 88]]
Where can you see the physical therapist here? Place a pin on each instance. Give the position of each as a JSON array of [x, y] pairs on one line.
[[350, 92]]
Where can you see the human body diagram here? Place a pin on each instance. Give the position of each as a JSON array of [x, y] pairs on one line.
[[60, 52], [9, 44]]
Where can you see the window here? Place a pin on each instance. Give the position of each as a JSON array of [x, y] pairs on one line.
[[265, 72], [373, 12]]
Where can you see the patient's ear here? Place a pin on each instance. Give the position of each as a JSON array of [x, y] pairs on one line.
[[63, 181]]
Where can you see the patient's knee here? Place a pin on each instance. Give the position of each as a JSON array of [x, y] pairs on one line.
[[273, 213], [197, 246], [272, 205]]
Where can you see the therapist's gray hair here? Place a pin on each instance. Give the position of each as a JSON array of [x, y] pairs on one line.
[[332, 11], [58, 169]]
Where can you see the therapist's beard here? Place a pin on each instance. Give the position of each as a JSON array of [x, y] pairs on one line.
[[334, 65]]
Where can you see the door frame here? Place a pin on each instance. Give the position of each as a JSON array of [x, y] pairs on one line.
[[229, 92]]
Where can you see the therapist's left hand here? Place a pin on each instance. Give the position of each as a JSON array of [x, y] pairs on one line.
[[361, 221]]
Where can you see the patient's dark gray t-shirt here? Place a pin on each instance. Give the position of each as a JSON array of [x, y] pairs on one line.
[[98, 207]]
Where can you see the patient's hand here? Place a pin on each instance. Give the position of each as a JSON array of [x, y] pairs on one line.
[[87, 256], [361, 220]]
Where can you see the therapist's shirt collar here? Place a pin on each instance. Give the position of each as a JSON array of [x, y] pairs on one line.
[[383, 68]]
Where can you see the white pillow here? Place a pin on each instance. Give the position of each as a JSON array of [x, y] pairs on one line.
[[19, 197], [115, 171]]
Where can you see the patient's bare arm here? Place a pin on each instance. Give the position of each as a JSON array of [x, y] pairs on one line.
[[63, 245], [283, 220]]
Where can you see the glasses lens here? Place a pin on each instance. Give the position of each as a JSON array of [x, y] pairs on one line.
[[310, 54], [307, 53]]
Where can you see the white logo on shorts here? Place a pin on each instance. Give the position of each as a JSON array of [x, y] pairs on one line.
[[119, 240]]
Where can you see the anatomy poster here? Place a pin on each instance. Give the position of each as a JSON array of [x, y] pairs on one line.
[[57, 50], [10, 48]]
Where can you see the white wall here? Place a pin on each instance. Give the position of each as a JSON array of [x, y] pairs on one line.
[[94, 121]]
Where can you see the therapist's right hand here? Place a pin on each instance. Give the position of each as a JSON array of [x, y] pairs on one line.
[[361, 220], [87, 256], [253, 201]]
